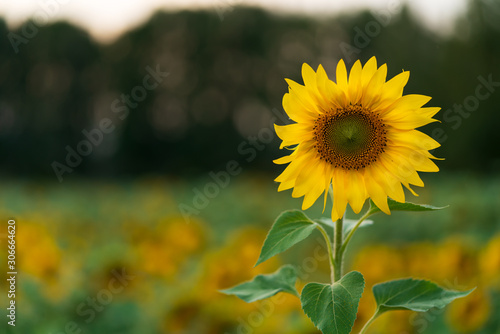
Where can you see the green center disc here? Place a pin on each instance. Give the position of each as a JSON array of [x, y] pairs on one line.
[[350, 135]]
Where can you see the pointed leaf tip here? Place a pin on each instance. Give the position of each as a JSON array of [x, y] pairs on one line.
[[265, 286], [406, 206], [289, 228], [414, 295]]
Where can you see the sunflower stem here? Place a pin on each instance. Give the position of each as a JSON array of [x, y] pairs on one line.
[[370, 321], [349, 236], [337, 248], [330, 253]]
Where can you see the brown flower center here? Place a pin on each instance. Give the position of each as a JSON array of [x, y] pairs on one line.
[[350, 138]]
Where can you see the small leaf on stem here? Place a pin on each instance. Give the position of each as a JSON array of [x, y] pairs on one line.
[[265, 286], [407, 206], [289, 228]]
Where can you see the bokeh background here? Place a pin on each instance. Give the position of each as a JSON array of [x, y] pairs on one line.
[[138, 166]]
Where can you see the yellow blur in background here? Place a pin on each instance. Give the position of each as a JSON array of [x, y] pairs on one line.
[[149, 270]]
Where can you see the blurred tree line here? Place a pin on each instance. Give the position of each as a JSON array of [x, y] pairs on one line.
[[220, 84]]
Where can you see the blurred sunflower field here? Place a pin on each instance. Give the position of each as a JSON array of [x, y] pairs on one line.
[[138, 165], [146, 269]]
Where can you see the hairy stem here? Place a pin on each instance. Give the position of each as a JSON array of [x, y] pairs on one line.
[[337, 248], [349, 236], [330, 253], [369, 322]]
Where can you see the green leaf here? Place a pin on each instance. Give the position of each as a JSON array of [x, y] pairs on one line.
[[289, 228], [333, 308], [407, 206], [414, 295], [265, 286], [349, 224]]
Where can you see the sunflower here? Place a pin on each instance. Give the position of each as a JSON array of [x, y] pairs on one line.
[[355, 138]]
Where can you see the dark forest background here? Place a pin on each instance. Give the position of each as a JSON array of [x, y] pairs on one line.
[[226, 75], [154, 190]]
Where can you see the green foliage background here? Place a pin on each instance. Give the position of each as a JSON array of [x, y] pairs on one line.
[[120, 208]]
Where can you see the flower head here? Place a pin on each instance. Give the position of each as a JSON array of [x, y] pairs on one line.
[[356, 136]]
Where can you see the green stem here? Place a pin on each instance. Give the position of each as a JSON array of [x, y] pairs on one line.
[[369, 322], [337, 248], [349, 236], [330, 253]]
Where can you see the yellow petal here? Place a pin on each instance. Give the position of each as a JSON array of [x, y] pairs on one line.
[[356, 191], [342, 76], [286, 185], [422, 163], [321, 80], [302, 94], [293, 169], [325, 199], [328, 182], [412, 138], [429, 111], [317, 188], [376, 192], [410, 102], [405, 112], [339, 195], [354, 90], [407, 186], [295, 110], [309, 76], [389, 182], [335, 214], [374, 87], [336, 97], [430, 156], [368, 71], [284, 160], [307, 180], [305, 155], [393, 89], [399, 165], [304, 180], [300, 106], [409, 121], [333, 97], [295, 131]]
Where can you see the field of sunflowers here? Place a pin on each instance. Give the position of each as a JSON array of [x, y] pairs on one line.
[[119, 257]]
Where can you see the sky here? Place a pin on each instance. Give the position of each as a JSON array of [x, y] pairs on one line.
[[107, 19]]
